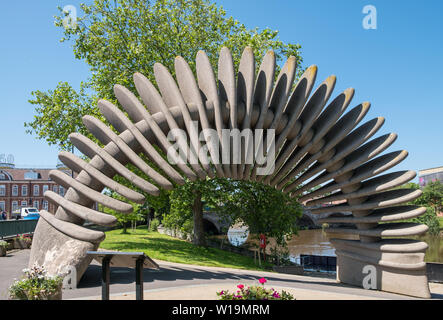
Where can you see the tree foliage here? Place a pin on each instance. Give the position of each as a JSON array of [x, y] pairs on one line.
[[59, 112], [432, 199], [117, 38], [186, 211], [124, 219], [264, 209], [120, 37], [433, 195]]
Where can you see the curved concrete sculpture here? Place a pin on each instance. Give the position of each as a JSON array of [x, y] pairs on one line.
[[322, 156]]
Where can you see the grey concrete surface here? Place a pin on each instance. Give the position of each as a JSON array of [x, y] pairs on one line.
[[11, 267], [175, 281]]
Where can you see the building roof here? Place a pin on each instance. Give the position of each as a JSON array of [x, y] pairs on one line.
[[18, 174], [430, 171]]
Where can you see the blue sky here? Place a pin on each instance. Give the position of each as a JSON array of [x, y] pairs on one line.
[[398, 67]]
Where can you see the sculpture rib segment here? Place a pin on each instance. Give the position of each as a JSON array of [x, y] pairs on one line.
[[76, 164], [322, 156], [245, 92], [138, 112]]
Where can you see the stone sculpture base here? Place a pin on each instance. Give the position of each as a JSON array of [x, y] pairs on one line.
[[392, 272], [58, 252]]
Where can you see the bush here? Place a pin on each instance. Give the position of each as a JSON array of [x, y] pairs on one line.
[[35, 285], [280, 256], [3, 248], [26, 238], [3, 244], [255, 293], [180, 217], [153, 225], [430, 219]]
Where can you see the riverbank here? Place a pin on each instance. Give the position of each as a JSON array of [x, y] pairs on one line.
[[163, 247]]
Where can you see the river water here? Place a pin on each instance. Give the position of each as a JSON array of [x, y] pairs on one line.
[[316, 242]]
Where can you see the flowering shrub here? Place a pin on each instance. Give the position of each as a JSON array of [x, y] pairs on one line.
[[255, 293], [35, 285], [25, 237]]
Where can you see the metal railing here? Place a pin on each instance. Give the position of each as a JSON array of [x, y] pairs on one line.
[[318, 263], [11, 228]]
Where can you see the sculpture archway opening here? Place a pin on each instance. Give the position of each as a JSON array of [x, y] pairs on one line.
[[323, 154]]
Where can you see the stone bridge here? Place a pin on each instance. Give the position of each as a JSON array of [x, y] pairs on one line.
[[309, 219], [214, 224]]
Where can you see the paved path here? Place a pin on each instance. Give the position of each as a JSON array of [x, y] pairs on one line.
[[11, 267], [176, 281]]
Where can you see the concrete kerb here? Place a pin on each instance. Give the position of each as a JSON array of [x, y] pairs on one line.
[[208, 292], [194, 288], [301, 287]]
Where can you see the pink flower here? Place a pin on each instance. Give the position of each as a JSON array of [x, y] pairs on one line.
[[240, 286], [262, 280]]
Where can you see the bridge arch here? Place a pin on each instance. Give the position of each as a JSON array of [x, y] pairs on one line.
[[210, 227]]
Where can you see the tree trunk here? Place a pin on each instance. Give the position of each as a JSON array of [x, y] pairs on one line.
[[150, 217], [151, 213], [197, 210]]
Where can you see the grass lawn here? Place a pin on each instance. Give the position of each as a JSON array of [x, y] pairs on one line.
[[163, 247]]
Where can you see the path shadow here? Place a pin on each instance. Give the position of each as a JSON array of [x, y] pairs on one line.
[[92, 276]]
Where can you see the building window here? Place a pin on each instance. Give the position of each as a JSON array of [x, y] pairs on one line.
[[14, 206], [55, 189], [36, 190], [2, 206], [45, 188], [2, 190], [36, 204], [24, 203], [32, 175], [4, 175], [24, 190], [45, 204], [15, 190], [62, 191]]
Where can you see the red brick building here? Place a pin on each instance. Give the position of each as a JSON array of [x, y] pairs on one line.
[[24, 187]]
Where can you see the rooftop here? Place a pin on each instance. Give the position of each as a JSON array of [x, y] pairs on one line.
[[26, 174], [430, 170]]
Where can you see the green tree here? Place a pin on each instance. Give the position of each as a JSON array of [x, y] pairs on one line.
[[430, 219], [432, 200], [187, 203], [262, 208], [120, 37], [59, 112], [117, 38], [433, 195], [124, 219], [153, 207]]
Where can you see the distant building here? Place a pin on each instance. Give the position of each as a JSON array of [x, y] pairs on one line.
[[429, 175], [24, 187]]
